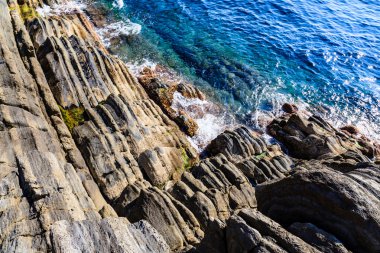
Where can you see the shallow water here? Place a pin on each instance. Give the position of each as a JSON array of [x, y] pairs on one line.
[[252, 56]]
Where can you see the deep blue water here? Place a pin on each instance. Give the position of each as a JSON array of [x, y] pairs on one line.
[[254, 55]]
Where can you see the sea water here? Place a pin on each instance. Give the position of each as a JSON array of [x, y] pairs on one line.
[[254, 55]]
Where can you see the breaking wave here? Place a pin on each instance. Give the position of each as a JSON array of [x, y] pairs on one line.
[[60, 9], [118, 29], [210, 117]]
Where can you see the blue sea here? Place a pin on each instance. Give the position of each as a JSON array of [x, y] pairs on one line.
[[252, 56]]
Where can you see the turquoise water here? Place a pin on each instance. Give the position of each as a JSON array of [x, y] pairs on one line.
[[252, 56]]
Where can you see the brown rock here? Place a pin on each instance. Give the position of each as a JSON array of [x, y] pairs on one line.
[[186, 123], [350, 129], [161, 85], [289, 108], [315, 138]]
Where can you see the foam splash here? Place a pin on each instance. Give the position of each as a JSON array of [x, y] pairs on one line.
[[336, 116], [118, 4], [261, 118], [211, 119], [137, 67], [368, 79], [44, 11], [339, 117], [70, 7], [117, 29]]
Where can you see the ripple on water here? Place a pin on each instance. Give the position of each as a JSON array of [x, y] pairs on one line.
[[256, 55]]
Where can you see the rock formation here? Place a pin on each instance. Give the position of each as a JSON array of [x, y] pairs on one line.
[[161, 85], [94, 160]]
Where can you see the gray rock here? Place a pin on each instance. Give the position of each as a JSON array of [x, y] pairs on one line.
[[317, 237], [346, 205], [107, 235], [241, 237]]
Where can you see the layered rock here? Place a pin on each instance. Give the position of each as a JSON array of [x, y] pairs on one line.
[[334, 194], [61, 90], [345, 205], [39, 185], [251, 155], [107, 235], [92, 160], [161, 85], [251, 231], [313, 137], [188, 211]]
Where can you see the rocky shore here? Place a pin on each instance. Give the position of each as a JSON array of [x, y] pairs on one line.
[[93, 159]]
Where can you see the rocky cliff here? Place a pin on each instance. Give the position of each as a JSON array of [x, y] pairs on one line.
[[91, 160]]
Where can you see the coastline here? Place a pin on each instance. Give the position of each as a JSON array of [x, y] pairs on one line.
[[95, 159], [251, 92]]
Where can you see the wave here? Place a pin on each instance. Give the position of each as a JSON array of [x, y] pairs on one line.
[[69, 7], [339, 117], [368, 79], [118, 4], [335, 115], [118, 29], [212, 119], [138, 66]]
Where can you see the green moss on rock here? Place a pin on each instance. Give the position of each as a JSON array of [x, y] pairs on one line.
[[261, 156], [72, 117], [186, 160], [26, 12]]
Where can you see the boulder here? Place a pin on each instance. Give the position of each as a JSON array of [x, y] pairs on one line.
[[314, 138], [289, 108], [161, 84], [317, 237], [344, 204]]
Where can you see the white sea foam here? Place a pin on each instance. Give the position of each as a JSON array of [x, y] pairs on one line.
[[210, 119], [120, 28], [118, 4], [360, 55], [336, 116], [339, 117], [261, 118], [44, 11], [60, 9], [137, 67], [213, 120], [182, 102], [368, 79]]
